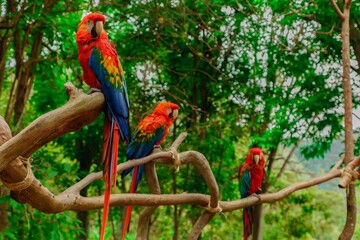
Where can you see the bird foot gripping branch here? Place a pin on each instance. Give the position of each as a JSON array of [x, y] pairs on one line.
[[256, 195], [94, 90], [158, 146], [176, 158]]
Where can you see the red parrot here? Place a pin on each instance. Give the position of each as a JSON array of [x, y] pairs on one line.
[[151, 131], [102, 69], [251, 175]]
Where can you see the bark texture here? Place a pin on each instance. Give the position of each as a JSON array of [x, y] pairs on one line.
[[344, 16], [5, 135], [15, 168]]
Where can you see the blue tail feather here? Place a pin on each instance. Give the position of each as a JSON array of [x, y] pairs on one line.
[[110, 146], [139, 175]]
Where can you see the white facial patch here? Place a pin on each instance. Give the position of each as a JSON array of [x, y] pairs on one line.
[[89, 26]]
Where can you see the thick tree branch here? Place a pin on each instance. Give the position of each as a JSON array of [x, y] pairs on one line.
[[79, 111], [70, 201], [198, 227]]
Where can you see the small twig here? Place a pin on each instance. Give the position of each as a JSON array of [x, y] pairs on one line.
[[282, 169], [356, 116], [329, 32], [338, 164], [159, 157], [337, 9]]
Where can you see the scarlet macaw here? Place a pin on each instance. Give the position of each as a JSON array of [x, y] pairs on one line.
[[251, 175], [102, 69], [151, 131]]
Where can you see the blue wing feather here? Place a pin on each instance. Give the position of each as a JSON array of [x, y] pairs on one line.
[[244, 184], [139, 148], [116, 98]]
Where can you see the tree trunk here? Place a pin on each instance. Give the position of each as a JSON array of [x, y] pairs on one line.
[[84, 219], [257, 229], [18, 59], [355, 42], [176, 212], [12, 17], [24, 77], [5, 135], [4, 45], [271, 160], [3, 210], [83, 155], [349, 227], [25, 82]]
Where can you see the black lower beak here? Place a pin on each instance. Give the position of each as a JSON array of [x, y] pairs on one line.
[[93, 32]]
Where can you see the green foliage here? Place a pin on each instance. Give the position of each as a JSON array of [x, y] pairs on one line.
[[28, 223], [295, 215]]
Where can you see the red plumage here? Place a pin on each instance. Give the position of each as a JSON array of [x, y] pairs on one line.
[[86, 43], [251, 175], [102, 69], [247, 221], [151, 131]]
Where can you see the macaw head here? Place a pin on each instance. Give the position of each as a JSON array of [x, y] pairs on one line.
[[168, 109], [256, 157], [90, 29]]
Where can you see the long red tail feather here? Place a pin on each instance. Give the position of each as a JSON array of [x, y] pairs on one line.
[[129, 208], [105, 211], [247, 219], [109, 158]]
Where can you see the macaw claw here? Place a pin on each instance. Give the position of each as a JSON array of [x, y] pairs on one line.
[[256, 195], [176, 158], [158, 146], [93, 90]]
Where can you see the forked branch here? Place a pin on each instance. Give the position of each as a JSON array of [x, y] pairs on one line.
[[81, 110]]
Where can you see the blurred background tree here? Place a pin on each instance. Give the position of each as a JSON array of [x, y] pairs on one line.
[[243, 72]]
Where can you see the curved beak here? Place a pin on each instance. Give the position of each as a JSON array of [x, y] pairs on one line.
[[175, 113], [97, 29], [257, 159]]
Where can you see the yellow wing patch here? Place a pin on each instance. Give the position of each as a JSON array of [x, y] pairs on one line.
[[115, 72], [143, 135]]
